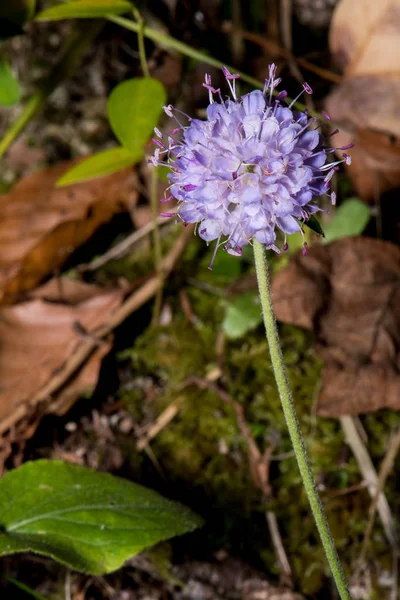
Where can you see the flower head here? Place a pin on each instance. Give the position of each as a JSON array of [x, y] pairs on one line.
[[253, 166]]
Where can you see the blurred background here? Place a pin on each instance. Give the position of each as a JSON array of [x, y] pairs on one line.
[[121, 351]]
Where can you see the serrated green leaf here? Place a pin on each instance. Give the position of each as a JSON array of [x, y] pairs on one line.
[[102, 163], [242, 315], [314, 225], [10, 92], [84, 9], [88, 520], [134, 107], [350, 218]]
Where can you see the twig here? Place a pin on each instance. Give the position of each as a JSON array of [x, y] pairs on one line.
[[368, 472], [386, 467], [276, 50], [67, 587], [122, 248], [186, 50], [159, 424], [237, 42], [286, 33], [259, 469], [88, 346]]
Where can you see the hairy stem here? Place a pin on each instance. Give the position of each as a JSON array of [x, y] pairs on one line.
[[292, 421]]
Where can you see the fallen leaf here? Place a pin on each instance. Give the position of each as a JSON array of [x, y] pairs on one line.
[[348, 293], [65, 290], [363, 35], [22, 157], [375, 162], [363, 39], [39, 336], [40, 225]]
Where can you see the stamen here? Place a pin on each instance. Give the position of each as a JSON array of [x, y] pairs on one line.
[[330, 175], [333, 133], [183, 113], [209, 87], [306, 88], [168, 110], [281, 95], [210, 266], [158, 143], [155, 159], [346, 147], [231, 77], [310, 122]]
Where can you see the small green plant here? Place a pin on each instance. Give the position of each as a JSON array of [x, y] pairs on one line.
[[89, 521], [133, 109], [92, 521]]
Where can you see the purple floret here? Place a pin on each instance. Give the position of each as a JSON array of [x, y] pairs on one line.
[[254, 165]]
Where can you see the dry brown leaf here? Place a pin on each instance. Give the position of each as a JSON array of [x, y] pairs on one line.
[[37, 338], [365, 41], [375, 166], [65, 290], [364, 36], [348, 292], [40, 225]]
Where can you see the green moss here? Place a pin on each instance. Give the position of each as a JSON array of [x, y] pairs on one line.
[[203, 449]]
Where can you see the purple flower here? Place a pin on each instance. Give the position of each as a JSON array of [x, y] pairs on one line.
[[254, 165]]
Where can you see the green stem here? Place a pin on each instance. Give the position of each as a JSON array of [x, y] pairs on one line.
[[142, 49], [154, 213], [76, 46], [170, 42], [292, 422], [157, 245]]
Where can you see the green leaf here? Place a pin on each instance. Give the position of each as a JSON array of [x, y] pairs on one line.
[[90, 521], [134, 107], [242, 315], [102, 163], [13, 15], [350, 218], [84, 9], [314, 224], [10, 92]]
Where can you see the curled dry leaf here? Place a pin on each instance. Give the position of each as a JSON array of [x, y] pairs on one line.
[[40, 225], [364, 39], [348, 292], [40, 335]]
